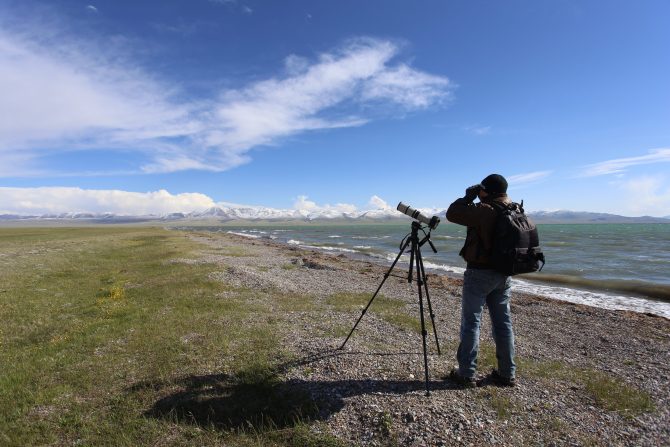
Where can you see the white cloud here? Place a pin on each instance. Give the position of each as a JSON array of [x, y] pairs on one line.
[[478, 130], [279, 107], [527, 177], [58, 94], [54, 200], [618, 165], [648, 195], [91, 8], [378, 203], [247, 10], [406, 87], [304, 204], [55, 96]]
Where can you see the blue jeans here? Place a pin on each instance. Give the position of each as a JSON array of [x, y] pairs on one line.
[[493, 289]]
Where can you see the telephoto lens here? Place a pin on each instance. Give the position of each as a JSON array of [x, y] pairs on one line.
[[432, 222]]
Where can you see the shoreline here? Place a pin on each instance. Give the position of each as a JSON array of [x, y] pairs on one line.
[[572, 359], [558, 291]]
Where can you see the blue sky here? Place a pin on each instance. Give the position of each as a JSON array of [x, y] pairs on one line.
[[177, 105]]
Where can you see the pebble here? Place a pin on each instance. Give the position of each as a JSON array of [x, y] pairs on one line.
[[377, 373]]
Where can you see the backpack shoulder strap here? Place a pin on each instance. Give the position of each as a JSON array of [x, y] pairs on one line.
[[500, 207]]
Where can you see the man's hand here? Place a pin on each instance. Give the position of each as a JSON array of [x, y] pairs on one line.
[[472, 192]]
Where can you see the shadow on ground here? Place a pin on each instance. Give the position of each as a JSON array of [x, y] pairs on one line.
[[257, 398]]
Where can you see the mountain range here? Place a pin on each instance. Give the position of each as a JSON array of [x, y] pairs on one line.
[[255, 214]]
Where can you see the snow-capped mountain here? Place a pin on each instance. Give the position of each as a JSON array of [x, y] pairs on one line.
[[262, 213], [253, 213]]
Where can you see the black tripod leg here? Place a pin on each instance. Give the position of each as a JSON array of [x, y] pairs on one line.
[[419, 280], [430, 306], [402, 250], [411, 262]]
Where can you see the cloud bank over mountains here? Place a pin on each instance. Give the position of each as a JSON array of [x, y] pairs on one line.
[[77, 203], [59, 200], [72, 201], [68, 95]]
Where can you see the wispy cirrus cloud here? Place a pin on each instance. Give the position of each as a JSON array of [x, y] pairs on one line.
[[62, 94], [319, 95], [528, 177], [54, 97], [618, 165], [478, 130]]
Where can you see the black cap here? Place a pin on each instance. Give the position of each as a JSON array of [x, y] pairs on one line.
[[494, 184]]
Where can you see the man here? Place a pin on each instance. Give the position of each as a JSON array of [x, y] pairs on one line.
[[482, 284]]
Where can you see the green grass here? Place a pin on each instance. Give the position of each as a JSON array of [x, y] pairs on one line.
[[105, 341], [614, 395], [500, 402], [607, 392], [389, 309]]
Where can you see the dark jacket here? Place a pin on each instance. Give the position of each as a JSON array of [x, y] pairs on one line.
[[480, 219]]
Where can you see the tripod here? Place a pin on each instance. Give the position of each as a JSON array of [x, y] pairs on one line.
[[412, 240]]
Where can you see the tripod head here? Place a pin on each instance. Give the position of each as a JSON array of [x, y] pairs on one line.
[[416, 227]]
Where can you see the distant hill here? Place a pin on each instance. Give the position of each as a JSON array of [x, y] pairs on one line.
[[272, 215], [564, 216]]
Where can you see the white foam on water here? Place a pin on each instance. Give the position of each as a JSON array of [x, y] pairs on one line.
[[370, 237], [251, 236], [445, 268], [594, 299], [578, 296], [334, 236], [328, 248], [391, 257]]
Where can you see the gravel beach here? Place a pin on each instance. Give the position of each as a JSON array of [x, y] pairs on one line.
[[586, 376]]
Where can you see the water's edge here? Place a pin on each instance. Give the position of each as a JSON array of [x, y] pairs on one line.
[[613, 295]]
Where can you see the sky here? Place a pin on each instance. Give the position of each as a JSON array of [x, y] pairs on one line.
[[159, 106]]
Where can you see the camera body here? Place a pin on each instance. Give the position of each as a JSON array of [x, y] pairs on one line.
[[432, 222]]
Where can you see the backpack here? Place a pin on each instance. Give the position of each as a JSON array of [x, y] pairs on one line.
[[516, 244]]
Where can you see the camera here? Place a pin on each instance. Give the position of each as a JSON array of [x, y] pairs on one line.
[[432, 222]]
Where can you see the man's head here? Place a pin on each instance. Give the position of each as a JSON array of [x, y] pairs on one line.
[[494, 184]]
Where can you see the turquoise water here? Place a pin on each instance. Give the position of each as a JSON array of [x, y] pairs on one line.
[[616, 259]]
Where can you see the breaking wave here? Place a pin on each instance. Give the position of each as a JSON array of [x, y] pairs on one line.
[[635, 287]]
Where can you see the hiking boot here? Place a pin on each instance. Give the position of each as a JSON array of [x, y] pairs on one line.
[[500, 380], [466, 382]]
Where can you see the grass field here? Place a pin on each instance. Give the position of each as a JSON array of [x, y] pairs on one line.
[[121, 336], [99, 326]]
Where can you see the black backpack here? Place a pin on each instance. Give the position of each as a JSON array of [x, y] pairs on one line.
[[516, 244]]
